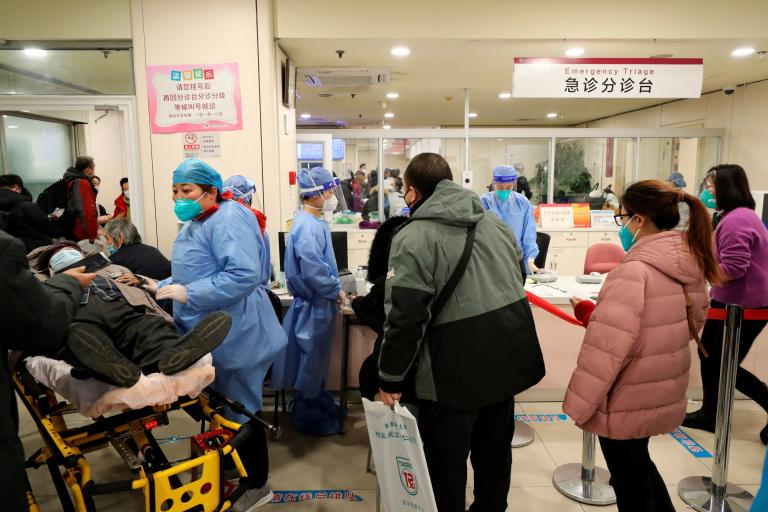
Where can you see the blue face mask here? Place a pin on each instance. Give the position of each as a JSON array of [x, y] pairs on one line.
[[708, 199], [503, 195], [626, 236], [111, 250], [187, 209]]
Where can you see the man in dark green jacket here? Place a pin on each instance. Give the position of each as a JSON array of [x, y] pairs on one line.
[[36, 318], [482, 348]]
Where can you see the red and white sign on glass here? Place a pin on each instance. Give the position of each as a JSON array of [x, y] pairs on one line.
[[607, 78]]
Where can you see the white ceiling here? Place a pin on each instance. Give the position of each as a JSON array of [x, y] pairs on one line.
[[431, 80]]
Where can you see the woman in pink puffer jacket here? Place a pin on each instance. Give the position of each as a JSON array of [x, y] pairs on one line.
[[632, 372]]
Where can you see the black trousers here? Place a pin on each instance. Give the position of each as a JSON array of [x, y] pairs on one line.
[[254, 455], [746, 382], [485, 435], [634, 477], [139, 337]]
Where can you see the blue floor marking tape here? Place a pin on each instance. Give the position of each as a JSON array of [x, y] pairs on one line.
[[330, 494], [689, 444]]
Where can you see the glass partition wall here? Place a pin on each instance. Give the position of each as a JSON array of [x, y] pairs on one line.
[[585, 159]]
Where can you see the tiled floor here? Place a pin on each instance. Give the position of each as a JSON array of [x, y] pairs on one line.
[[300, 463]]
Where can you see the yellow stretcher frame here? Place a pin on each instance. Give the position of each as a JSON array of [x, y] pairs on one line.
[[163, 490]]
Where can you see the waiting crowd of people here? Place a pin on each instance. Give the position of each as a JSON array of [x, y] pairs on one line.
[[456, 335]]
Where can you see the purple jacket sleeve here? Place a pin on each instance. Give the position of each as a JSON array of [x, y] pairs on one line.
[[734, 248]]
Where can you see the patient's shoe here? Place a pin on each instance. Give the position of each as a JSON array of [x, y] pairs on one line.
[[699, 420], [206, 336], [96, 352], [253, 499]]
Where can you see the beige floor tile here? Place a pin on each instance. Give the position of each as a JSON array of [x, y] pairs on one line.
[[539, 499]]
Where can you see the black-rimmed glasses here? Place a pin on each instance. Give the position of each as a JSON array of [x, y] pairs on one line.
[[618, 218]]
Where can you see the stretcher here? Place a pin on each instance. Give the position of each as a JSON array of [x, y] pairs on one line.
[[194, 484]]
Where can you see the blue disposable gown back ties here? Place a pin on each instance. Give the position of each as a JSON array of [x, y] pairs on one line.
[[517, 213], [221, 262]]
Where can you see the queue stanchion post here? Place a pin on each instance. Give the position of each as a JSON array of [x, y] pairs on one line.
[[585, 482], [523, 436], [715, 494]]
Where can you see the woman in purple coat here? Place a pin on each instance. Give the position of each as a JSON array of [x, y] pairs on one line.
[[741, 241]]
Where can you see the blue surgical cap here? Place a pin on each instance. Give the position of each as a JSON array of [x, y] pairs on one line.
[[677, 179], [198, 172], [314, 181], [241, 187], [64, 258], [504, 174]]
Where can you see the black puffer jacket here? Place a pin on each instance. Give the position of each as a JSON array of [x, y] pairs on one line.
[[27, 221], [36, 318]]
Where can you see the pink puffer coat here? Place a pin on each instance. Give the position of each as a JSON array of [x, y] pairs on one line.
[[632, 371]]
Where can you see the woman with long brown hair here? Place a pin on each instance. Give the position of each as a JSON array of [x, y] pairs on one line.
[[632, 372]]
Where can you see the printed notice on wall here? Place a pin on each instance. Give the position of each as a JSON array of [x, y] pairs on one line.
[[201, 145], [194, 98], [607, 78]]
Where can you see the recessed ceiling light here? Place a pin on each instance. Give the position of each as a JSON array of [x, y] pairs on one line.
[[389, 115], [305, 116], [12, 126], [400, 51], [552, 115], [392, 95], [574, 52], [472, 114], [386, 127], [742, 52], [505, 95], [35, 52]]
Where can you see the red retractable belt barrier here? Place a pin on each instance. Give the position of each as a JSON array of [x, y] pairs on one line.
[[551, 308], [749, 314]]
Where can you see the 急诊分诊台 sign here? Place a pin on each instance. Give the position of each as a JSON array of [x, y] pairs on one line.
[[194, 98], [607, 78]]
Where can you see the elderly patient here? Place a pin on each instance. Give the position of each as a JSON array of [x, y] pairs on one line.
[[119, 331]]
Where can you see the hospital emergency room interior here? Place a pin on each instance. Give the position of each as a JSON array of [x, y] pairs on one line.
[[421, 255]]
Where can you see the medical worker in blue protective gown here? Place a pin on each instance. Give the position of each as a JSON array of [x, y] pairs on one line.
[[515, 210], [243, 190], [217, 265], [313, 280]]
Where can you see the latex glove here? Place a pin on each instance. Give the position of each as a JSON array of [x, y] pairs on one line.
[[532, 267], [80, 276], [177, 292], [390, 398], [150, 285]]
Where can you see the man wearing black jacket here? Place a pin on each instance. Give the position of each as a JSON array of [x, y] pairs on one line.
[[36, 319], [27, 221]]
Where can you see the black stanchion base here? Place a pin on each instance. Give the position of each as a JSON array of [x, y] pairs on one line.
[[696, 491]]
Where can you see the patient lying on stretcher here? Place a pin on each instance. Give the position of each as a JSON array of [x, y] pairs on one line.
[[119, 332]]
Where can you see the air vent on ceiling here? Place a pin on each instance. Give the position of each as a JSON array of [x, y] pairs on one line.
[[344, 77]]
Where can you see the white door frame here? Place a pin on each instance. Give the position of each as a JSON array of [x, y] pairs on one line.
[[126, 104]]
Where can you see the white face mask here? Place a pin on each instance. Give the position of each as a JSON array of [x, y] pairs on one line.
[[127, 194], [96, 188], [330, 204]]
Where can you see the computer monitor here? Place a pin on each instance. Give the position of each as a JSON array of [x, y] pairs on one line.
[[340, 249]]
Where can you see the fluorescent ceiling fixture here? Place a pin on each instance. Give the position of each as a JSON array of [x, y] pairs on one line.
[[389, 115], [392, 95], [472, 114], [574, 52], [552, 115], [400, 51], [505, 95], [305, 116], [742, 52], [12, 126], [35, 52], [386, 127]]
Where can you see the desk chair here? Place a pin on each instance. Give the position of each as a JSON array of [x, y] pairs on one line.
[[542, 241], [603, 258]]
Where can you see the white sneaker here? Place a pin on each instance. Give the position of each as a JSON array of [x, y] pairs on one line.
[[253, 499]]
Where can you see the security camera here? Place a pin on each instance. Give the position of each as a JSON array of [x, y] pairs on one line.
[[729, 89]]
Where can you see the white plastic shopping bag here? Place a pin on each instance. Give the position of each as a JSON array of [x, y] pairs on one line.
[[401, 467]]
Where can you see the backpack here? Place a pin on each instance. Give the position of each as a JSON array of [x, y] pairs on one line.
[[57, 196]]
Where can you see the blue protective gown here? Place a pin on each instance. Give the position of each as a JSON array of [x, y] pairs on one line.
[[517, 213], [221, 262], [313, 280]]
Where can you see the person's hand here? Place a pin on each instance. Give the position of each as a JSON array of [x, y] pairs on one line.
[[150, 285], [532, 267], [128, 279], [177, 292], [80, 276], [389, 398], [342, 297]]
